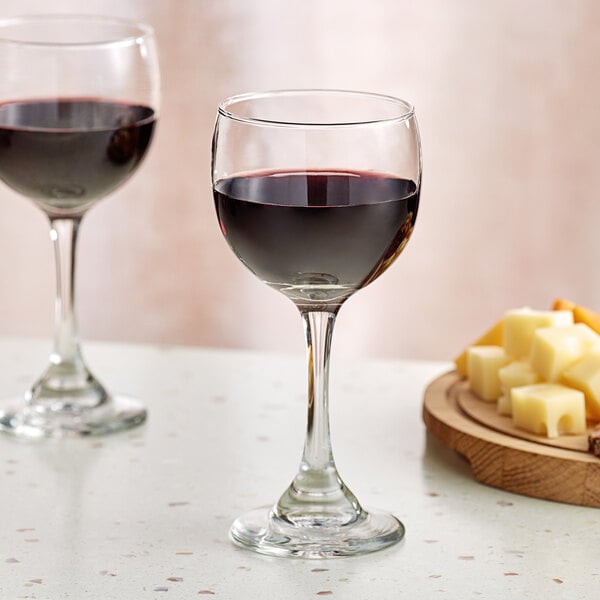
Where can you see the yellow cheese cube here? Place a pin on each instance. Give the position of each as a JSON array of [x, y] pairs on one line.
[[584, 375], [556, 348], [492, 337], [515, 374], [520, 325], [548, 408], [562, 304], [483, 363]]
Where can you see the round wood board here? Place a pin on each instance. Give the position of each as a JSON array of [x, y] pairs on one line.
[[504, 457]]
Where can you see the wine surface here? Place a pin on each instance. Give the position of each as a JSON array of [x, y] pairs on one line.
[[316, 236], [66, 153]]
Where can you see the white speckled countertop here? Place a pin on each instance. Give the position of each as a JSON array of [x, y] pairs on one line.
[[145, 514]]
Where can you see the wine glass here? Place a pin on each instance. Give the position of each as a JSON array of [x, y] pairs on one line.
[[79, 98], [316, 192]]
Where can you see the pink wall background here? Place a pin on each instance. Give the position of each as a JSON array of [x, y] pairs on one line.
[[508, 99]]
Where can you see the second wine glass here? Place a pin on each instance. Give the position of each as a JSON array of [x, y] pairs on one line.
[[79, 100], [317, 193]]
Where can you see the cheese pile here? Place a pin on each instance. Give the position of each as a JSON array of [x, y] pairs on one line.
[[542, 367]]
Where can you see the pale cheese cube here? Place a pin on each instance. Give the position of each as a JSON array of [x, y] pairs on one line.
[[548, 408], [557, 348], [483, 363], [521, 323], [492, 337], [504, 405], [585, 376], [515, 374]]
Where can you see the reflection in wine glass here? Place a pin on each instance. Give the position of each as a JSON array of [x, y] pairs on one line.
[[79, 102], [317, 193]]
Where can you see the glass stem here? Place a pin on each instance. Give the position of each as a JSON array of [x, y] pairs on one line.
[[63, 234], [318, 455], [67, 383], [317, 495]]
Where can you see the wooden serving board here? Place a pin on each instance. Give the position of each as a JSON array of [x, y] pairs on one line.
[[505, 457]]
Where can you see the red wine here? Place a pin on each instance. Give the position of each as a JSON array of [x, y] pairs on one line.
[[316, 236], [66, 153]]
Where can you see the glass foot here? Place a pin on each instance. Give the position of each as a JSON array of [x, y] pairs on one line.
[[116, 414], [262, 531]]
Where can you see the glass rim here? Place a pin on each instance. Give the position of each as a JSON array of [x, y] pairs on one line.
[[143, 30], [224, 108]]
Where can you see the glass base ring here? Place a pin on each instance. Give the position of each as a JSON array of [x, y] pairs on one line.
[[117, 414], [259, 530]]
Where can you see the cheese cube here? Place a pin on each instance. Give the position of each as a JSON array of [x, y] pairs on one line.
[[520, 324], [563, 304], [556, 348], [492, 337], [548, 408], [504, 405], [584, 375], [483, 363], [515, 374]]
